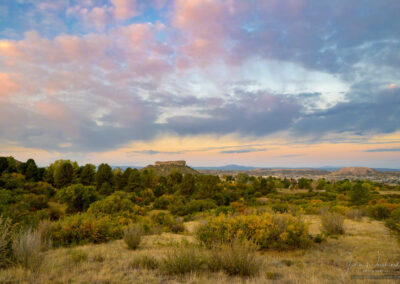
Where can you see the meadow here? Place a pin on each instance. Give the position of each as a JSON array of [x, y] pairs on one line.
[[84, 224]]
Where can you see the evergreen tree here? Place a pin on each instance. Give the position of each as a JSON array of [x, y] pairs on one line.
[[63, 174], [88, 174], [104, 175], [31, 172]]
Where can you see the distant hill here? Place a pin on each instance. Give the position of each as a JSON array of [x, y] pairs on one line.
[[165, 168], [355, 171]]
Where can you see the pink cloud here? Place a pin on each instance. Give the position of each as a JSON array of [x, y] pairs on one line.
[[206, 26], [7, 85], [8, 48], [125, 9]]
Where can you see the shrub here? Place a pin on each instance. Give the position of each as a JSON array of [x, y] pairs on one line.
[[236, 258], [280, 207], [379, 212], [84, 228], [77, 197], [275, 231], [145, 262], [114, 204], [27, 249], [394, 221], [6, 236], [177, 227], [161, 203], [133, 235], [78, 256], [332, 223], [182, 260], [354, 214]]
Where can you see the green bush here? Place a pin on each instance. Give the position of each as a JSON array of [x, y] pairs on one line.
[[168, 221], [133, 235], [280, 207], [161, 203], [274, 231], [77, 197], [394, 221], [114, 204], [84, 228], [332, 223]]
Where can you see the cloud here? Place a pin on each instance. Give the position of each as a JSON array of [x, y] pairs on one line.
[[95, 75], [250, 114], [125, 9], [291, 155], [365, 112], [383, 150], [155, 152], [242, 151], [7, 85]]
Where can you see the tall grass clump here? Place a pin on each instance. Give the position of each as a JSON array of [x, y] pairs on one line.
[[182, 260], [237, 258], [145, 262], [332, 223], [27, 249], [133, 236], [6, 236], [354, 214]]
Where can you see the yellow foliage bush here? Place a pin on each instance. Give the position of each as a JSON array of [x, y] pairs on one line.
[[268, 231]]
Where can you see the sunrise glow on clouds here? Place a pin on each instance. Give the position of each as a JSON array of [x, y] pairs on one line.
[[262, 83]]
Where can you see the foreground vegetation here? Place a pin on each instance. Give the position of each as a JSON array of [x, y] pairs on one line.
[[137, 226]]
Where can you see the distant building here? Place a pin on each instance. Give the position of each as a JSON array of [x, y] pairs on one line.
[[171, 163]]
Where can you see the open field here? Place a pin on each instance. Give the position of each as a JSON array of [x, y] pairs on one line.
[[365, 242]]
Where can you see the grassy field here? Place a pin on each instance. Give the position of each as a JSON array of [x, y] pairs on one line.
[[366, 245]]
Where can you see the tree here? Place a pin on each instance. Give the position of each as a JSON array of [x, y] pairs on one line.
[[360, 193], [134, 181], [88, 174], [187, 186], [208, 186], [118, 179], [3, 164], [77, 197], [63, 174], [148, 178], [304, 183], [104, 175], [31, 172]]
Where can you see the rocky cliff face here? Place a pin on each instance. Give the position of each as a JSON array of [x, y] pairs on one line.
[[171, 163]]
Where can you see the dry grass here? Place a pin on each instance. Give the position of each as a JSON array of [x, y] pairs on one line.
[[363, 243], [27, 249]]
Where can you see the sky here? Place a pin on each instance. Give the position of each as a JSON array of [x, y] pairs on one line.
[[268, 83]]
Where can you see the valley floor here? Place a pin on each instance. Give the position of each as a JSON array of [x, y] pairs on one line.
[[367, 248]]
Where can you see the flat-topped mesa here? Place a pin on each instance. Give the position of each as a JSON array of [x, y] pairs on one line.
[[171, 163]]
